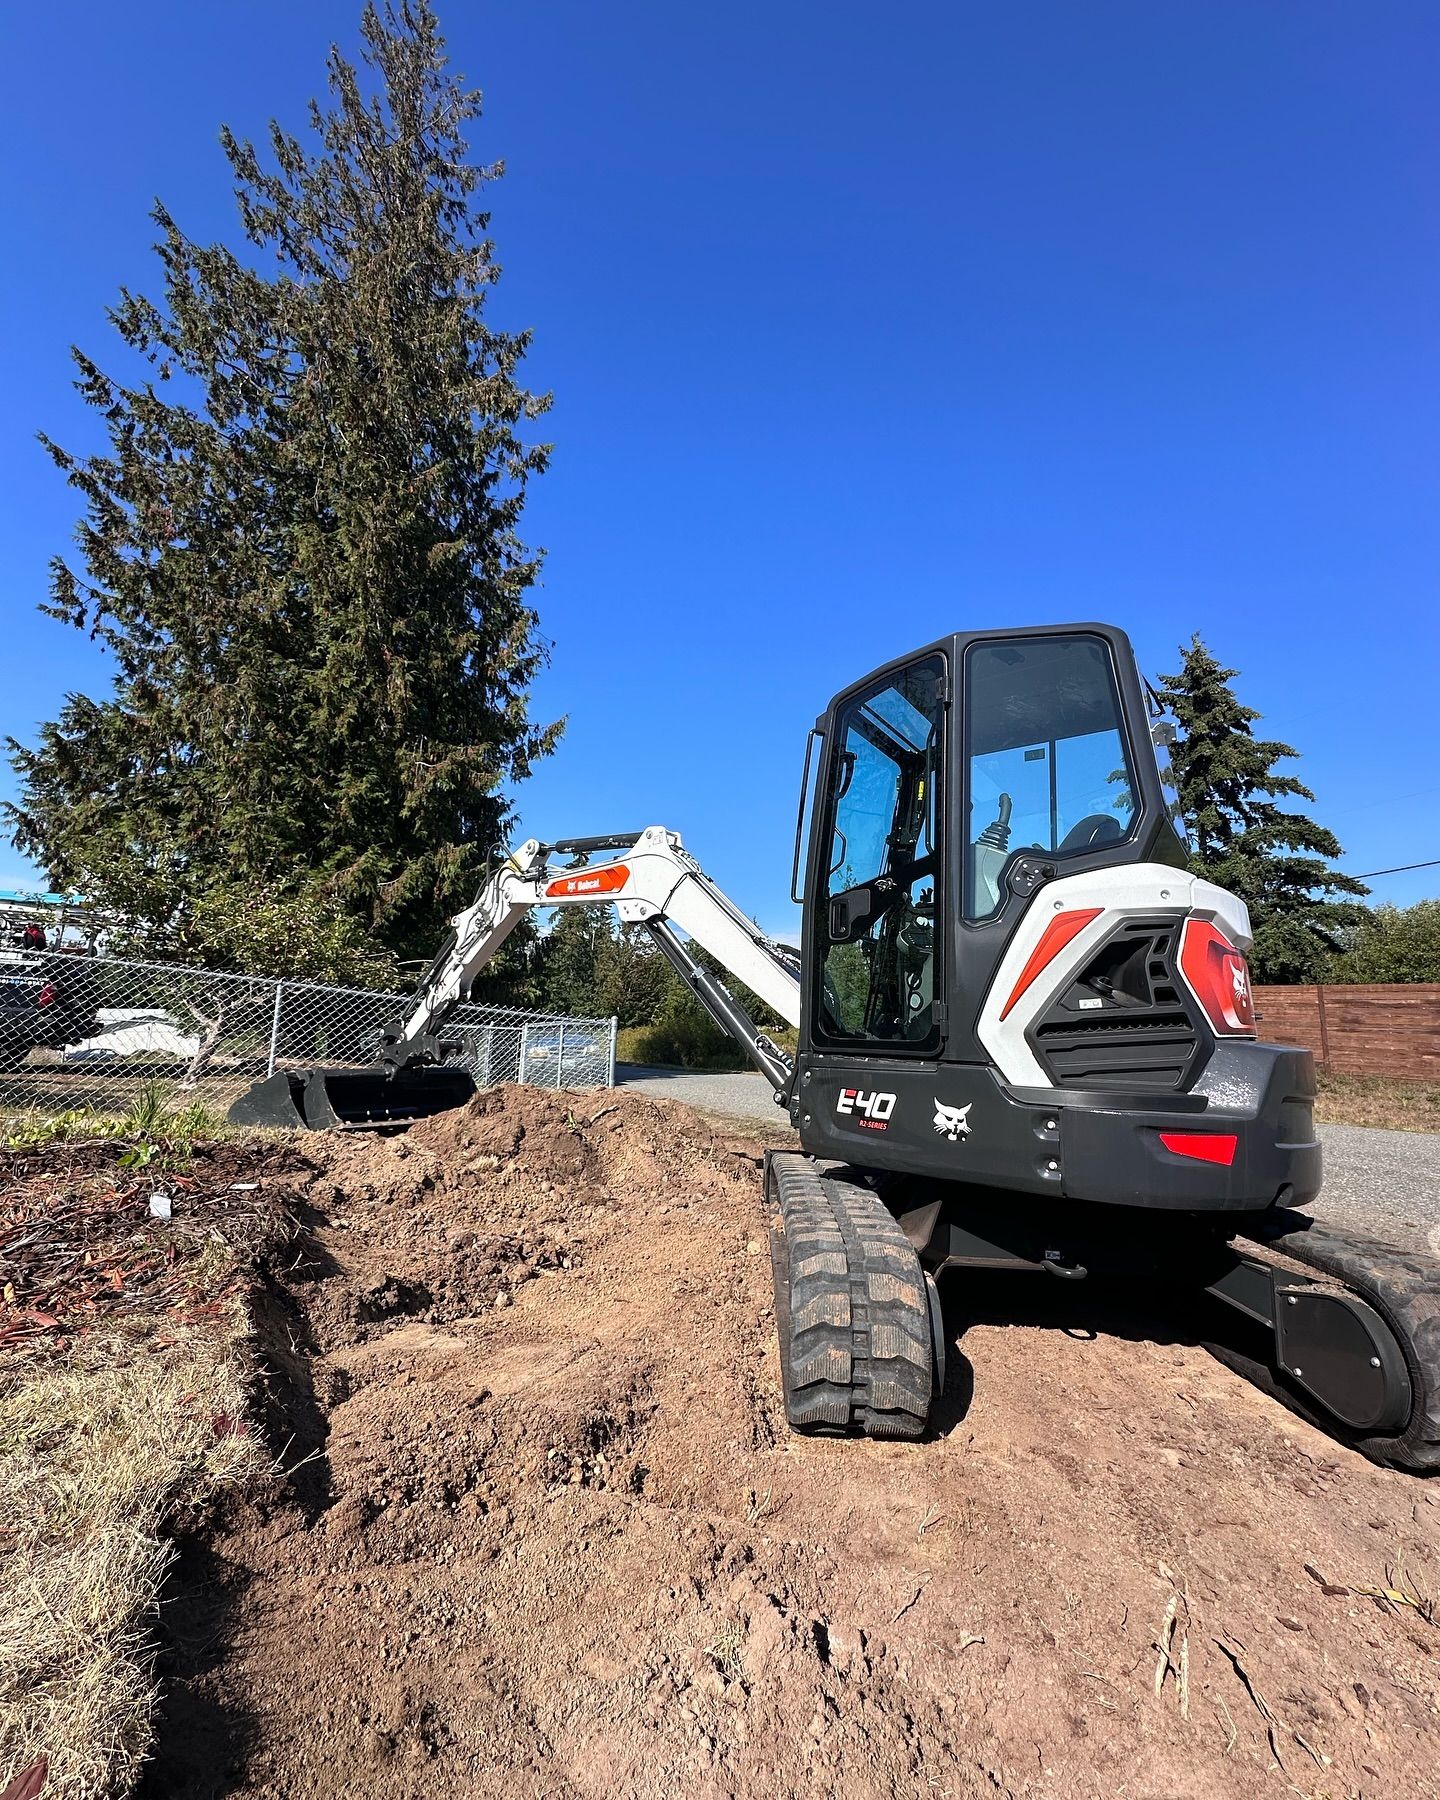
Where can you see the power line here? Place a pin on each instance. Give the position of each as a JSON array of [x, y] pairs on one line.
[[1401, 869]]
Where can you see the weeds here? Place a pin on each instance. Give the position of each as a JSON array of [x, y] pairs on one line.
[[1384, 1100], [760, 1506], [147, 1124], [1401, 1589], [725, 1650], [929, 1519]]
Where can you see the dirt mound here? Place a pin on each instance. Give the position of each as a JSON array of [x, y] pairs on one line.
[[550, 1532]]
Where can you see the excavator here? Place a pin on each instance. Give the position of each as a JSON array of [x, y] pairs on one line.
[[1026, 1042]]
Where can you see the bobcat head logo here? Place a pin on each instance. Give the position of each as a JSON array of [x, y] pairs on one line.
[[953, 1122]]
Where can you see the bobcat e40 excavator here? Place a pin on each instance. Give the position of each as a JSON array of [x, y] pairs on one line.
[[1026, 1041]]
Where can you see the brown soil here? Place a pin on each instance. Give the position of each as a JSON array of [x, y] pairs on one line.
[[551, 1536]]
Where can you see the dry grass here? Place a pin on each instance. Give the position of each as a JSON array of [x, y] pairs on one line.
[[1378, 1100], [99, 1440]]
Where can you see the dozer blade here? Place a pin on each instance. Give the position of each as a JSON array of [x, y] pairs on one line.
[[375, 1099]]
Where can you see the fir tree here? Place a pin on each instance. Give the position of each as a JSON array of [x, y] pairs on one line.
[[302, 546], [1277, 862]]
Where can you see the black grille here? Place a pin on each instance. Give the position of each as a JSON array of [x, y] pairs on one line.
[[1124, 1022]]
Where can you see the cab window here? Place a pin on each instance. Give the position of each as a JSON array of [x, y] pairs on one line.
[[1048, 767], [877, 919]]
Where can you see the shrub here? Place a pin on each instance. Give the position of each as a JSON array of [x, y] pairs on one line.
[[681, 1041]]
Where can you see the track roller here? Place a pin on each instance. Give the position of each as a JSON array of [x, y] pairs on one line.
[[861, 1340]]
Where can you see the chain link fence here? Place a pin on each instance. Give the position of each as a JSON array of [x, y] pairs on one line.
[[80, 1031]]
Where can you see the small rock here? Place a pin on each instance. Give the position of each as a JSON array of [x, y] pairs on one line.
[[501, 1299], [753, 1247]]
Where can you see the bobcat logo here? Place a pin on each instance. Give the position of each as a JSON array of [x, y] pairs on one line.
[[953, 1122]]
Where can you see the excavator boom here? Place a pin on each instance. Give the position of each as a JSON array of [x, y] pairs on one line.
[[655, 884]]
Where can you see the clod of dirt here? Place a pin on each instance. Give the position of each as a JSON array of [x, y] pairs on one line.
[[565, 1546]]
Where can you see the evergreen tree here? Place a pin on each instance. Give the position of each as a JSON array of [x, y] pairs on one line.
[[1277, 862], [586, 966], [301, 548]]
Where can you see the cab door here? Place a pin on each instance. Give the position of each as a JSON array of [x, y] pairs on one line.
[[877, 872]]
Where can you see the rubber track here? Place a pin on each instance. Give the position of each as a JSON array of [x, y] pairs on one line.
[[856, 1344], [1404, 1288]]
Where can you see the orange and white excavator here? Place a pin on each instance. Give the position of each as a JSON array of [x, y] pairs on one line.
[[1026, 1042]]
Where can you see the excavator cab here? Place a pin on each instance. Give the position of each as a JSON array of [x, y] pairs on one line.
[[953, 784], [1000, 929]]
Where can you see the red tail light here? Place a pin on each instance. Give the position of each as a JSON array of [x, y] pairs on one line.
[[48, 995], [1202, 1146], [1218, 978]]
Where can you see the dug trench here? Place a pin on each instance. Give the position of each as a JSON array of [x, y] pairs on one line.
[[541, 1528]]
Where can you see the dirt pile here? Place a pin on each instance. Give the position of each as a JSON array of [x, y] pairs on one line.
[[549, 1534]]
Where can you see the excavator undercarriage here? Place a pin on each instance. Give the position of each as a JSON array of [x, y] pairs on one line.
[[1025, 1043]]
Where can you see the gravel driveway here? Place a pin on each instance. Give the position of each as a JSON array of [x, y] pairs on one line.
[[1385, 1182]]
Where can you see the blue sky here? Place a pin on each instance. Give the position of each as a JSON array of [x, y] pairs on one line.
[[864, 324]]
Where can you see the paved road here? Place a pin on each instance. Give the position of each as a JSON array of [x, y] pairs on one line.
[[1386, 1182], [746, 1094], [1383, 1181]]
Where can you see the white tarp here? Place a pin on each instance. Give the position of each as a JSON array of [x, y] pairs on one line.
[[134, 1031]]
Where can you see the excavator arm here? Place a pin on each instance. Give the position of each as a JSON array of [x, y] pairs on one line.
[[654, 882]]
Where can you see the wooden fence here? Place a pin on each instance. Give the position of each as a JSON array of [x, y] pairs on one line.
[[1357, 1030]]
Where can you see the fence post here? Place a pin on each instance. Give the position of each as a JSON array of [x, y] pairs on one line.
[[560, 1059], [524, 1052], [614, 1025], [274, 1029], [1324, 1033]]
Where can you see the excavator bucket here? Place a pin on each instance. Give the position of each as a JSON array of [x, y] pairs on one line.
[[374, 1099]]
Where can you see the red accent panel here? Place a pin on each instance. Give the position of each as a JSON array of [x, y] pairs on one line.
[[1203, 1146], [608, 880], [1054, 938], [1219, 978], [47, 995]]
